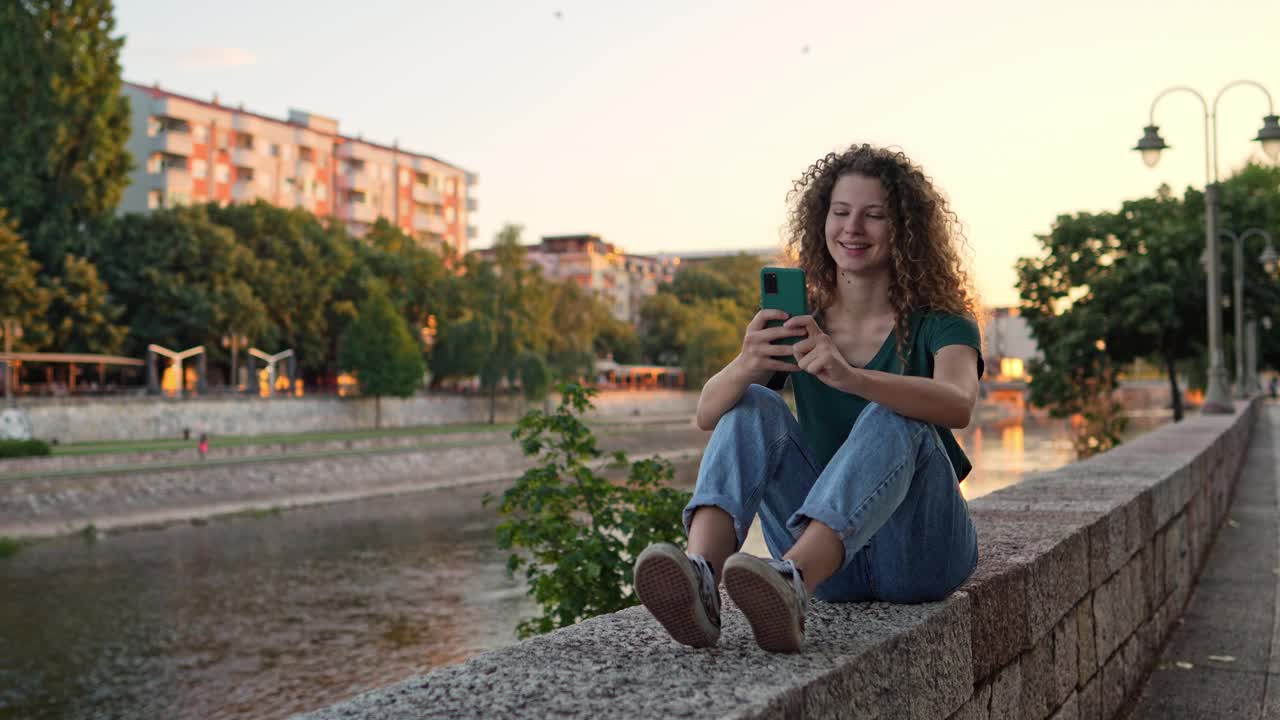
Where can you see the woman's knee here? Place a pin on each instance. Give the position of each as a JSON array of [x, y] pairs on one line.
[[758, 401]]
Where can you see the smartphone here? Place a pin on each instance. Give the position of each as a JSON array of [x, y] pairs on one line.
[[783, 289]]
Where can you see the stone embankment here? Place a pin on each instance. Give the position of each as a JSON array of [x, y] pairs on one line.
[[89, 419], [1083, 573], [64, 500]]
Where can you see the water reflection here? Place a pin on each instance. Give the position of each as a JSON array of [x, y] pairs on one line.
[[261, 617]]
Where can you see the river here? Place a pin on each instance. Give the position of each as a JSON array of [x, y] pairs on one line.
[[263, 616]]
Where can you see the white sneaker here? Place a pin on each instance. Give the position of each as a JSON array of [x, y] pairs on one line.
[[772, 595], [680, 591]]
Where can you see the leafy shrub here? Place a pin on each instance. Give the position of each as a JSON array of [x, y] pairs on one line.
[[580, 533], [23, 448]]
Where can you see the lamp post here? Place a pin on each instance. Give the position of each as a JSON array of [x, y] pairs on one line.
[[1216, 398], [12, 331], [1244, 385], [235, 342]]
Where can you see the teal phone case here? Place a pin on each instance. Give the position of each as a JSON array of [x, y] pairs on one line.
[[790, 298]]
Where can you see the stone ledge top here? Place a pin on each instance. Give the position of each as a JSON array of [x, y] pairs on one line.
[[626, 664]]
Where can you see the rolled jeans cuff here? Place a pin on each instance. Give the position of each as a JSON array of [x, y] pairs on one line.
[[741, 521], [800, 519]]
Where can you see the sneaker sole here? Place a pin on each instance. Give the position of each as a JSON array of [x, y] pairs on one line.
[[761, 595], [667, 588]]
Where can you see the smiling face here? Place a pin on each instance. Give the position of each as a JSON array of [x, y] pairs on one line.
[[858, 227]]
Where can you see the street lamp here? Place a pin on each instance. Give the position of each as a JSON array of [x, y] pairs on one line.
[[11, 331], [1216, 398], [1244, 383]]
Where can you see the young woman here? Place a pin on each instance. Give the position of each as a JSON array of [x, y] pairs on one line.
[[858, 499]]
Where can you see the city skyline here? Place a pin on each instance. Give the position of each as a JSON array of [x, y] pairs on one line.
[[666, 128]]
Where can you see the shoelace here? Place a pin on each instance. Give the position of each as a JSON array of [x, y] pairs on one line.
[[707, 587], [788, 568]]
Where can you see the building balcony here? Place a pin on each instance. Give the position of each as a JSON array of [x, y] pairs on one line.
[[174, 143], [471, 232], [306, 170], [173, 180], [472, 179], [429, 223], [362, 212], [355, 179], [244, 191], [356, 150], [243, 157], [471, 204], [240, 122], [426, 195]]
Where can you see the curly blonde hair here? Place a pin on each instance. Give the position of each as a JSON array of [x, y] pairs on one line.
[[927, 270]]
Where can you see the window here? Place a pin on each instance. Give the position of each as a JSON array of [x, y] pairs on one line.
[[153, 126], [221, 173], [154, 163], [199, 168], [202, 133], [450, 215], [273, 150], [452, 187], [404, 176], [322, 191], [154, 199]]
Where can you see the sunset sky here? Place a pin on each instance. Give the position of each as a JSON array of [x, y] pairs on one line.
[[677, 126]]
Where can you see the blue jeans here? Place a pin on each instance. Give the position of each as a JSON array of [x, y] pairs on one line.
[[889, 492]]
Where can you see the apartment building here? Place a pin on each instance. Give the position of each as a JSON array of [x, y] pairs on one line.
[[622, 281], [188, 150]]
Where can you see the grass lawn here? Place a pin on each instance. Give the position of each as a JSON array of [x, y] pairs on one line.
[[122, 446]]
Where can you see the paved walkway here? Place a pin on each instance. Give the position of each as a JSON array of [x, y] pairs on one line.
[[1223, 661]]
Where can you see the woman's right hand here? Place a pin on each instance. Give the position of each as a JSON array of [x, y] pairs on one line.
[[759, 353]]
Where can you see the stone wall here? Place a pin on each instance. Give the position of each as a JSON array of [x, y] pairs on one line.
[[72, 420], [1083, 573]]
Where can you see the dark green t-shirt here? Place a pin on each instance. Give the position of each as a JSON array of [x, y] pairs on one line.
[[827, 415]]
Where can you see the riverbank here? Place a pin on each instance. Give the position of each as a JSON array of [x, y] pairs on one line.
[[130, 496]]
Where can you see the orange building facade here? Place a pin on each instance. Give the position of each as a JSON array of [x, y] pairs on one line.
[[188, 150]]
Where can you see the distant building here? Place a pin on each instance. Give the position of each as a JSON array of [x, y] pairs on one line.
[[622, 280], [188, 150], [1008, 344], [766, 255]]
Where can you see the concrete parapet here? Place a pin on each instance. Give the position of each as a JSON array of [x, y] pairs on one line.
[[1083, 573], [89, 419]]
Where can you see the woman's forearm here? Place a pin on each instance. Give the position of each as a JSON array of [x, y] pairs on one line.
[[722, 392], [921, 398]]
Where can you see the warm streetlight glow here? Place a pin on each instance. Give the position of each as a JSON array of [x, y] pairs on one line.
[[1269, 136], [1150, 145], [1269, 259]]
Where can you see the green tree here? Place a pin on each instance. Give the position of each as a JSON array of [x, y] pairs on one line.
[[414, 275], [662, 328], [712, 342], [619, 340], [84, 318], [535, 376], [180, 278], [382, 353], [298, 268], [732, 277], [22, 298], [579, 533], [1115, 286], [63, 120]]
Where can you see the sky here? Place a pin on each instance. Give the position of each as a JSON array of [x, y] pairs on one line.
[[679, 126]]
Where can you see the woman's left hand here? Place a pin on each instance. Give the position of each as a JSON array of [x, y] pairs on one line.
[[818, 355]]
